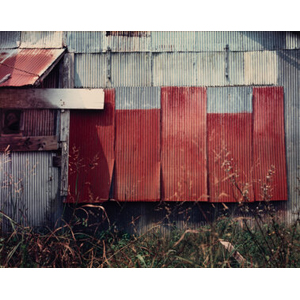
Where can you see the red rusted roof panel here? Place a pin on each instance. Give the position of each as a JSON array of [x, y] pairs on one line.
[[25, 66], [230, 156], [137, 150], [269, 144], [184, 172], [92, 152]]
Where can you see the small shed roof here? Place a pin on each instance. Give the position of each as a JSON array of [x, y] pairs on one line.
[[23, 67]]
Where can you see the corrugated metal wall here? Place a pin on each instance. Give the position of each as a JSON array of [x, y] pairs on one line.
[[211, 59]]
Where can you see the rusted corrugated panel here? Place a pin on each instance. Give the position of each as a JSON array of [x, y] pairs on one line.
[[269, 144], [261, 68], [9, 39], [41, 39], [92, 152], [90, 70], [85, 41], [174, 69], [137, 171], [229, 129], [26, 66], [128, 41], [40, 122], [33, 189], [183, 153], [130, 69]]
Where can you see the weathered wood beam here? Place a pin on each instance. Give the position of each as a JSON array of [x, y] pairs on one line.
[[30, 143], [64, 98]]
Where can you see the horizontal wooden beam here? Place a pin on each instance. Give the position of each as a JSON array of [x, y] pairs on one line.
[[52, 98], [29, 143]]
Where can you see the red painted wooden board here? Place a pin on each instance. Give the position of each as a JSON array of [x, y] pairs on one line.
[[230, 156], [92, 138], [183, 153], [269, 143], [137, 171]]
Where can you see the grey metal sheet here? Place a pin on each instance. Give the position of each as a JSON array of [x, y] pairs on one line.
[[235, 63], [10, 39], [138, 43], [130, 69], [289, 62], [229, 99], [174, 69], [292, 40], [85, 41], [211, 69], [137, 98], [261, 68], [90, 70], [41, 39]]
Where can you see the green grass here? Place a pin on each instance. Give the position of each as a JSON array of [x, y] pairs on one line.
[[226, 243]]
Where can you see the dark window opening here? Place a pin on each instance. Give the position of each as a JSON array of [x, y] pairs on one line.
[[11, 121]]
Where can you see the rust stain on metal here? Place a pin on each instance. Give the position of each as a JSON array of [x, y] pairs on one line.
[[128, 33], [183, 153], [92, 152], [230, 157], [137, 171], [26, 66], [270, 181]]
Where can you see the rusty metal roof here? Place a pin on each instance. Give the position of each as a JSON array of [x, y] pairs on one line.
[[21, 67]]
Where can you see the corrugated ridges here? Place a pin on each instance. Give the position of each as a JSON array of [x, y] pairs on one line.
[[85, 41], [90, 70], [10, 39], [269, 144], [92, 135], [138, 98], [137, 169], [183, 144], [25, 66], [230, 156], [229, 99], [130, 69], [41, 39]]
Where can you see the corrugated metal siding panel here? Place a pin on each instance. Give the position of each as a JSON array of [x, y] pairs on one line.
[[40, 122], [174, 69], [229, 100], [10, 39], [41, 39], [235, 65], [261, 68], [138, 98], [130, 69], [137, 171], [128, 44], [263, 40], [229, 129], [230, 156], [32, 189], [210, 69], [290, 78], [90, 70], [292, 40], [184, 172], [92, 134], [85, 41], [269, 143]]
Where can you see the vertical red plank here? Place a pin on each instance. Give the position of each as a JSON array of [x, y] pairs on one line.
[[269, 144], [92, 152], [230, 156], [137, 171], [184, 173]]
